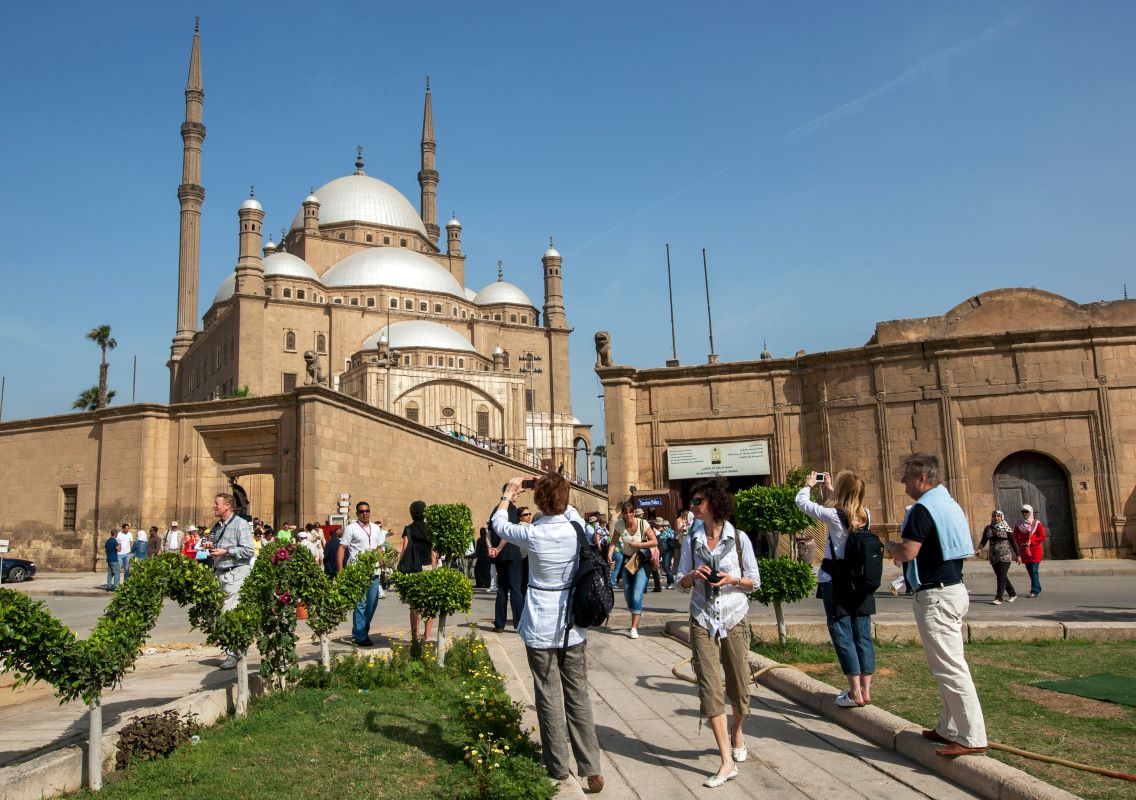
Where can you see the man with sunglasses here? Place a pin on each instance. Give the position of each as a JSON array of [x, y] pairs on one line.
[[361, 536]]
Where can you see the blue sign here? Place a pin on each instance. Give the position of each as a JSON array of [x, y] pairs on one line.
[[648, 502]]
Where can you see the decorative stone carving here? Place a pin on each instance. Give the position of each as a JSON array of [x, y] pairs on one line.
[[315, 371], [603, 349]]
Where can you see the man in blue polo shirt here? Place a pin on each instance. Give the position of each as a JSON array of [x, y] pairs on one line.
[[113, 570], [935, 541]]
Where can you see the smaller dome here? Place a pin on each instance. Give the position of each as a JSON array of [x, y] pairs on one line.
[[502, 292], [419, 333], [270, 246], [453, 223], [470, 294], [311, 198], [551, 252], [253, 204], [286, 265], [227, 288]]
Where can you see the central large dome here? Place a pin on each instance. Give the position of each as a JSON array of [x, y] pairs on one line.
[[361, 198], [393, 266]]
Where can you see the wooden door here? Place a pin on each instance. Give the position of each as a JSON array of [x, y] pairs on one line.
[[1037, 480]]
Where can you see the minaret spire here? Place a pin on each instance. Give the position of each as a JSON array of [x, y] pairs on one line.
[[191, 196], [428, 175], [500, 271], [359, 160]]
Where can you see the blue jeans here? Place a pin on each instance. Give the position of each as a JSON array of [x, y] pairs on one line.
[[114, 573], [851, 636], [124, 565], [633, 588], [1034, 576], [665, 557], [618, 559], [365, 612]]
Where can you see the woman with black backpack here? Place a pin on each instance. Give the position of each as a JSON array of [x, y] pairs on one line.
[[847, 610]]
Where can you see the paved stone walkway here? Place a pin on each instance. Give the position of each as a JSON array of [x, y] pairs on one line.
[[648, 727]]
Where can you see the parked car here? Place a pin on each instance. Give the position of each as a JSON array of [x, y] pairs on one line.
[[17, 570]]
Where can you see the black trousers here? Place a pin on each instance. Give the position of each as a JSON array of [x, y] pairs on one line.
[[1002, 575], [510, 576]]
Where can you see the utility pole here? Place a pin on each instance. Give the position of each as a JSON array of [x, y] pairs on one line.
[[528, 360]]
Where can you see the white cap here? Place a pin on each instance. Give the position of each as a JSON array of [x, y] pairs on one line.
[[175, 522], [191, 528]]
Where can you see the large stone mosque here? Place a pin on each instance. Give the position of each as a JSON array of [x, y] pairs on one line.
[[360, 296]]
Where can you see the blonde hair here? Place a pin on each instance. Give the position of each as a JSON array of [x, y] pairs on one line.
[[848, 496]]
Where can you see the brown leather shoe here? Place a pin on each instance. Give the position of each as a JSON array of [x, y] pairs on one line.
[[935, 736], [595, 784], [955, 749]]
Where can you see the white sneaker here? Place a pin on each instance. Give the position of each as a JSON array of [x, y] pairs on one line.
[[1012, 598], [634, 633]]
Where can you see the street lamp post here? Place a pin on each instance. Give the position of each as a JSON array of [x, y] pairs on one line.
[[528, 360]]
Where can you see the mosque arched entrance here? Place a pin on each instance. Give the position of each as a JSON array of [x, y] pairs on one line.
[[1035, 479]]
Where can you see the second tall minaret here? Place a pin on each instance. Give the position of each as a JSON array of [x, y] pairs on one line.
[[191, 195], [428, 175]]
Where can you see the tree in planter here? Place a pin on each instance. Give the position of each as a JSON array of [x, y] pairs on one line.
[[771, 510], [445, 590], [783, 580], [334, 598]]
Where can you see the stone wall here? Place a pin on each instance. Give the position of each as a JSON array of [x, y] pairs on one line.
[[970, 391]]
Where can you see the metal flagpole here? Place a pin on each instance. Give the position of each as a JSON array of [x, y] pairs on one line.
[[670, 294], [134, 380], [709, 319], [2, 382]]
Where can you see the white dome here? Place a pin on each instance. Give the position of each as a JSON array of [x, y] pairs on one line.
[[453, 223], [551, 252], [502, 292], [420, 333], [392, 266], [227, 288], [361, 198], [470, 294], [286, 265], [311, 198], [251, 203]]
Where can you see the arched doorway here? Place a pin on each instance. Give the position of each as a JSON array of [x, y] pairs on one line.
[[582, 466], [1040, 481]]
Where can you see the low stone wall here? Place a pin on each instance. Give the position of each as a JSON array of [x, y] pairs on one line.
[[1020, 631]]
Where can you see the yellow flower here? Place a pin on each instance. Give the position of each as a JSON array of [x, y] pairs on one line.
[[479, 761]]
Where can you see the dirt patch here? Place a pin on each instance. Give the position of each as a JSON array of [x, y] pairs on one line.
[[1017, 667], [1071, 704], [819, 669]]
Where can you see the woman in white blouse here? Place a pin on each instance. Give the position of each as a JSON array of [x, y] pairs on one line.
[[560, 673], [849, 617], [717, 562]]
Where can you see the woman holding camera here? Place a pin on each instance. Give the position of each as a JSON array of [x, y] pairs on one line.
[[634, 537], [559, 666], [717, 562], [849, 617]]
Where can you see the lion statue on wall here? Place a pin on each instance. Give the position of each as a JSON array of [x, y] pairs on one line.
[[603, 349], [315, 371]]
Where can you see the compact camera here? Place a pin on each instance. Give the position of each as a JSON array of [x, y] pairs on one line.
[[528, 483], [822, 477]]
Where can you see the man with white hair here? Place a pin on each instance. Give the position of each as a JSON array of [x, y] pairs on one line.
[[232, 551]]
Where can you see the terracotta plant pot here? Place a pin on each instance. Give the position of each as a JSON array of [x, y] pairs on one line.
[[301, 612]]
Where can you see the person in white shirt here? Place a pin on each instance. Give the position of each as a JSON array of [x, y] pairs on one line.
[[717, 562], [125, 546], [559, 667], [362, 536], [171, 541]]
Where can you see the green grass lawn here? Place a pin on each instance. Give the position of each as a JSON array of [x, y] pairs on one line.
[[1038, 720], [405, 735]]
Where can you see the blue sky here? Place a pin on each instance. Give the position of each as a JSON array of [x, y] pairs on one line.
[[842, 163]]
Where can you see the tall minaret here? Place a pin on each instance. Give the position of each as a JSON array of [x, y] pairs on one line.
[[554, 316], [428, 175], [191, 194]]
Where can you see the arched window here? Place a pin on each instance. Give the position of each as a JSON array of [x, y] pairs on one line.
[[300, 294], [370, 302], [286, 293], [513, 318], [450, 361], [290, 341], [354, 301], [412, 411], [461, 363], [429, 361], [321, 343]]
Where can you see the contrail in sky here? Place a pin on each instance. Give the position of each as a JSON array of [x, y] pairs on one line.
[[849, 109]]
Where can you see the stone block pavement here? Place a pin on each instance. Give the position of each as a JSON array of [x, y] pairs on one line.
[[648, 726]]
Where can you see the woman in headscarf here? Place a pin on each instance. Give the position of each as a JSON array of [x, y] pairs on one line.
[[1003, 551], [1030, 535]]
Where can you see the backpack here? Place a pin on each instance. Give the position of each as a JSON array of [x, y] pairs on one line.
[[590, 596], [861, 571]]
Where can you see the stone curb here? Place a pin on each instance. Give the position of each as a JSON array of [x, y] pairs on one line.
[[64, 770], [984, 776]]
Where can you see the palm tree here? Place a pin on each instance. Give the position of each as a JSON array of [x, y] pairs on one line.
[[89, 399], [600, 451], [101, 336]]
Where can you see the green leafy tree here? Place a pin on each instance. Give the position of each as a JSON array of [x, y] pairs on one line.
[[783, 580], [445, 590], [88, 399], [101, 336], [771, 510]]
